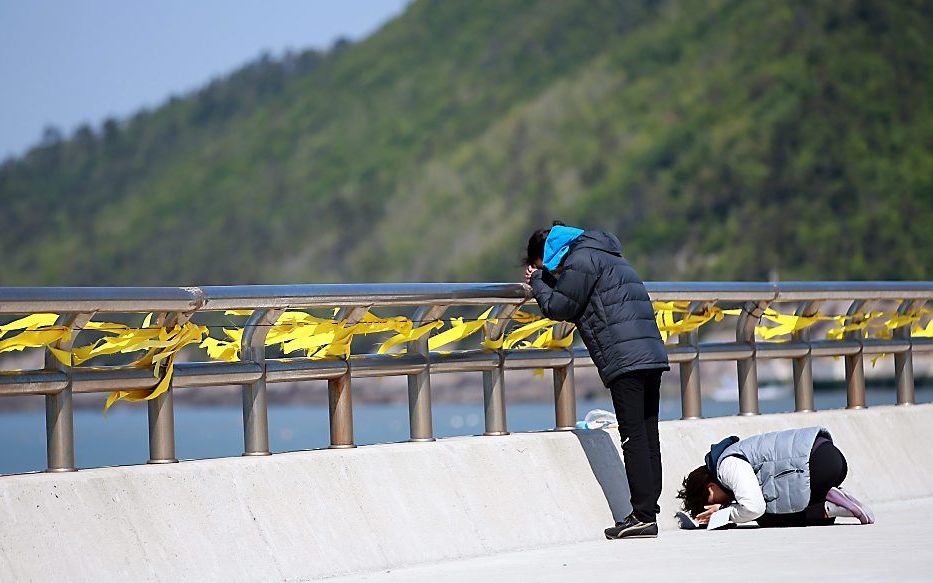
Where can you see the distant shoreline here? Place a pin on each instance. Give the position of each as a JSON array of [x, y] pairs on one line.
[[465, 388]]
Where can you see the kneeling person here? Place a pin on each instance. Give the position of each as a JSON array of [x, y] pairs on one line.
[[783, 478]]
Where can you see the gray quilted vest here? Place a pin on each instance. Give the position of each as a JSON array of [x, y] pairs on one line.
[[781, 460]]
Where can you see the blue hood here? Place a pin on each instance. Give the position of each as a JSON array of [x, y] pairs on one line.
[[558, 244]]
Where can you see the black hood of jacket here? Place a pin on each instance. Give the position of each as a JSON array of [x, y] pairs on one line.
[[598, 240]]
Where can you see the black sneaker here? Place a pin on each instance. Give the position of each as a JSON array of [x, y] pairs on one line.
[[631, 527]]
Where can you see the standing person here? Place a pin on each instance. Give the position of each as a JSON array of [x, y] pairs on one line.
[[581, 277]]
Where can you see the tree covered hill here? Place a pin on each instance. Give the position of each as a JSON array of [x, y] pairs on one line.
[[719, 138]]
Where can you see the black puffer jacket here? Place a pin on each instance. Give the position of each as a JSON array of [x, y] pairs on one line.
[[600, 292]]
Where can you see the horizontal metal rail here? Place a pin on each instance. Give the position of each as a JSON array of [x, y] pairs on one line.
[[76, 306], [27, 300], [24, 300]]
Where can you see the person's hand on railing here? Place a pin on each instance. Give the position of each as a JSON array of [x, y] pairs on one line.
[[529, 271]]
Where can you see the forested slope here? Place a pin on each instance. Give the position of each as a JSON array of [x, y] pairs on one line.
[[720, 139]]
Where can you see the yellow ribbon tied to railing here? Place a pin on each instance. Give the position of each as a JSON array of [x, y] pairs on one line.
[[38, 330], [897, 320], [856, 322], [317, 337], [688, 322], [460, 329], [162, 349], [545, 339], [923, 332], [404, 337], [329, 338], [786, 323], [124, 339]]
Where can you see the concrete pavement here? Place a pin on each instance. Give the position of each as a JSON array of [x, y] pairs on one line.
[[896, 548]]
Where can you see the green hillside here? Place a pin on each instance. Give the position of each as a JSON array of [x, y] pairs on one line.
[[719, 138]]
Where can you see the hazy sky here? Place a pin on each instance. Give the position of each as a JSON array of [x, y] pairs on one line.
[[67, 62]]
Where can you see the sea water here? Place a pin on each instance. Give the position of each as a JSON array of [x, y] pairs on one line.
[[121, 437]]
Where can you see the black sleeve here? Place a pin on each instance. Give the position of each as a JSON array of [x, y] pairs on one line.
[[568, 297]]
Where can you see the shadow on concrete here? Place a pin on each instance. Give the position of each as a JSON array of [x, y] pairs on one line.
[[607, 466]]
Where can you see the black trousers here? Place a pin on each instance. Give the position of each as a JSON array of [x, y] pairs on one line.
[[828, 468], [636, 397]]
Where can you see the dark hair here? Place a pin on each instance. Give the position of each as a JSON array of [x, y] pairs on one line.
[[695, 493], [535, 249]]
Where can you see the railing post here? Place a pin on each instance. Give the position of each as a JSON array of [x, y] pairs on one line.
[[903, 361], [340, 399], [803, 366], [565, 398], [691, 398], [494, 380], [255, 401], [421, 427], [162, 429], [59, 410], [494, 401], [59, 432], [748, 369], [855, 370], [161, 410], [340, 392]]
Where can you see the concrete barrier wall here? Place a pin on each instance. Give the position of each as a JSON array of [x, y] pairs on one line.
[[306, 515]]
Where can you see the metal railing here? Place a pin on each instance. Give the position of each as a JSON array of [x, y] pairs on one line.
[[253, 371]]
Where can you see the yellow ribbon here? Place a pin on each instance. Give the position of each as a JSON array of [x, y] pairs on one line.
[[124, 340], [37, 331], [896, 320], [323, 338], [317, 337], [43, 337], [668, 326], [161, 356], [31, 321], [527, 330], [221, 350], [460, 329], [786, 323], [544, 340], [924, 332], [411, 335]]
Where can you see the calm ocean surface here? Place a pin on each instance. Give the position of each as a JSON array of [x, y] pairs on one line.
[[121, 437]]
